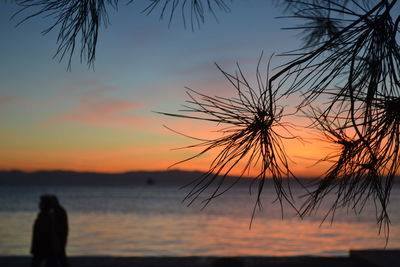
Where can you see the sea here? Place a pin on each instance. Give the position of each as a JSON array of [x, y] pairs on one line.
[[154, 220]]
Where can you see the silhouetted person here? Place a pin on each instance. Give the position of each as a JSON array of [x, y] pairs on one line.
[[45, 244], [61, 226]]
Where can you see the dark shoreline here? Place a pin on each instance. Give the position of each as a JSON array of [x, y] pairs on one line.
[[367, 258], [104, 261]]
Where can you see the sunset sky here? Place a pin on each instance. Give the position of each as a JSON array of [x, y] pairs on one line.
[[103, 120]]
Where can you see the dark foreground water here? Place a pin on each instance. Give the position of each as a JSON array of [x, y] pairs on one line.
[[153, 221]]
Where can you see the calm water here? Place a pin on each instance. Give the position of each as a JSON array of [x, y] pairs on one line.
[[152, 221]]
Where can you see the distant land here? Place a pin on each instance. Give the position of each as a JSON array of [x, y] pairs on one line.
[[169, 177], [92, 178], [65, 178]]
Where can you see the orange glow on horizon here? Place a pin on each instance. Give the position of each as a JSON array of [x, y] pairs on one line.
[[116, 150], [147, 159]]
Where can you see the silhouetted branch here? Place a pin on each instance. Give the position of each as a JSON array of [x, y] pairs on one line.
[[76, 19], [251, 137], [351, 57], [364, 169]]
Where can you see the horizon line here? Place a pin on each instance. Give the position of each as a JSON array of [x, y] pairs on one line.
[[142, 170]]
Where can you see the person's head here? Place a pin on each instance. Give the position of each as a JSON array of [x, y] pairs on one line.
[[54, 201], [45, 203]]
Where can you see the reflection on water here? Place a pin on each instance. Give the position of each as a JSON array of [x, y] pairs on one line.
[[152, 221]]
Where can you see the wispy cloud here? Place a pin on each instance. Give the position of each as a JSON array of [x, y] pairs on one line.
[[14, 100], [96, 109], [4, 100]]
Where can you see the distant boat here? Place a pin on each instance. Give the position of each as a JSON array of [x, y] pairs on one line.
[[150, 181]]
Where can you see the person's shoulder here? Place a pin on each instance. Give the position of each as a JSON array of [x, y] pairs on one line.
[[43, 216], [61, 211]]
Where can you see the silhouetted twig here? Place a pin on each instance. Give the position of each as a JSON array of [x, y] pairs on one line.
[[194, 9], [76, 20], [252, 136], [361, 171]]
